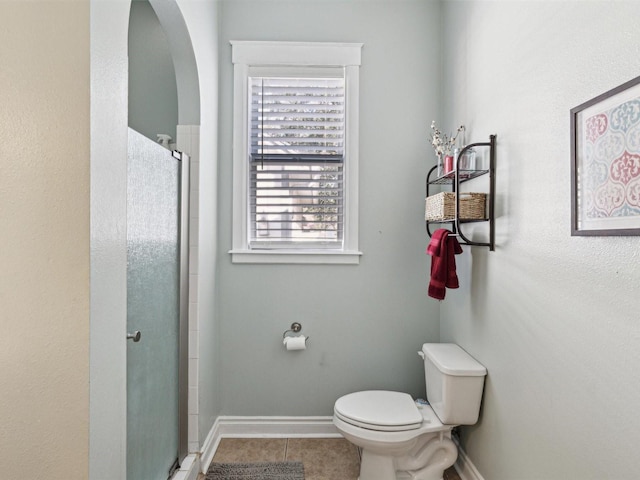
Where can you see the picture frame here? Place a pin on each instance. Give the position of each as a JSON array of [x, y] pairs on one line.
[[605, 163]]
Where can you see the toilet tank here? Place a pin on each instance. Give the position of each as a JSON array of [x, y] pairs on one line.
[[455, 381]]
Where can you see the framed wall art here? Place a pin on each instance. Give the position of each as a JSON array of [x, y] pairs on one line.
[[605, 163]]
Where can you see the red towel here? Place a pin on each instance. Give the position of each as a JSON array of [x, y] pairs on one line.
[[443, 249]]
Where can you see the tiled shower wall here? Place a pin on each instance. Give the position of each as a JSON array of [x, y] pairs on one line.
[[188, 141]]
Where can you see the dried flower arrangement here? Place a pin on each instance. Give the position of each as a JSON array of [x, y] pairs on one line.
[[442, 143]]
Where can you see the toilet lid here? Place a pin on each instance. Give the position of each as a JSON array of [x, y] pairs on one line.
[[379, 410]]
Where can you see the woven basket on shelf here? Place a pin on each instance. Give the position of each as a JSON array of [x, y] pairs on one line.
[[442, 206]]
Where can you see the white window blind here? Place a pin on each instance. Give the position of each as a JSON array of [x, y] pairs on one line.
[[296, 156]]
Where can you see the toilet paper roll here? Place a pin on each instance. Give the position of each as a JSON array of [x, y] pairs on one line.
[[295, 343]]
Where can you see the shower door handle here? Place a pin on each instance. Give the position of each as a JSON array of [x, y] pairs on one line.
[[135, 336]]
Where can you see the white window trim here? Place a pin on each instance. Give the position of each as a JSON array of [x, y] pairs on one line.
[[246, 54]]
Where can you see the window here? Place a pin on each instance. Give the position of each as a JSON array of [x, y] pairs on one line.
[[295, 152], [296, 180]]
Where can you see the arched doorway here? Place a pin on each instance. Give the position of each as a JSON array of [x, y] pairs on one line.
[[109, 31]]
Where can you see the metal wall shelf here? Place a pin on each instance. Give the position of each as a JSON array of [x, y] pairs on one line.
[[464, 175], [454, 179]]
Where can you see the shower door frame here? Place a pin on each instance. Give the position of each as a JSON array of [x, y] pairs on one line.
[[183, 336]]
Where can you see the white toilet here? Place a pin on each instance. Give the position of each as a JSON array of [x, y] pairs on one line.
[[401, 439]]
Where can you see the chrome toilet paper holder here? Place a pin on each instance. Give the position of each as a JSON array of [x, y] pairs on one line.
[[295, 328]]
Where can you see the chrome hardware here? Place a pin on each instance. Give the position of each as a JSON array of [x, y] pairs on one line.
[[295, 328], [135, 336]]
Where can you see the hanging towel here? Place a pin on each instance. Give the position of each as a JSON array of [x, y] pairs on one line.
[[443, 249]]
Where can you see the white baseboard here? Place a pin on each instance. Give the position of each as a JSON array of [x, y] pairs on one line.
[[210, 446], [465, 468], [264, 427], [189, 469]]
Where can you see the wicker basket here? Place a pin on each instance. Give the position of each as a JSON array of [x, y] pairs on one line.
[[442, 206]]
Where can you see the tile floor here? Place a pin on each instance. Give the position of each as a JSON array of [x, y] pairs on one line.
[[323, 458]]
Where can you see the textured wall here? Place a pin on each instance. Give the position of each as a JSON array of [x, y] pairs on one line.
[[366, 322], [553, 317], [44, 245]]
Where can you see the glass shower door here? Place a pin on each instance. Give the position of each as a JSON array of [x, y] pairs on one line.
[[153, 310]]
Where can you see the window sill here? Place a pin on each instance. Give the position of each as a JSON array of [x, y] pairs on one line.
[[310, 257]]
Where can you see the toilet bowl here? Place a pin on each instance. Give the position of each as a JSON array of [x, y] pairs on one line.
[[395, 436], [402, 439]]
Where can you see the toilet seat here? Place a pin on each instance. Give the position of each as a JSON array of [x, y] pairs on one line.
[[379, 410]]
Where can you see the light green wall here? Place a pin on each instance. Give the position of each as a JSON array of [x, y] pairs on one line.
[[153, 97], [365, 322], [554, 318]]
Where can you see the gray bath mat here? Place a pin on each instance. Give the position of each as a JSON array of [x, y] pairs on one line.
[[256, 471]]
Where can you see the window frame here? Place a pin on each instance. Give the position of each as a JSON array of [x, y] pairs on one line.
[[282, 55]]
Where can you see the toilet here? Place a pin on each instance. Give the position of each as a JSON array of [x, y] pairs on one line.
[[403, 439]]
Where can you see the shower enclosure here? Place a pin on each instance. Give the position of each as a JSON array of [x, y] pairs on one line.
[[157, 306]]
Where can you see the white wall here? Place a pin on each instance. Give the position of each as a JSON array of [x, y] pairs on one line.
[[365, 322], [553, 317], [202, 20], [44, 244], [109, 22]]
